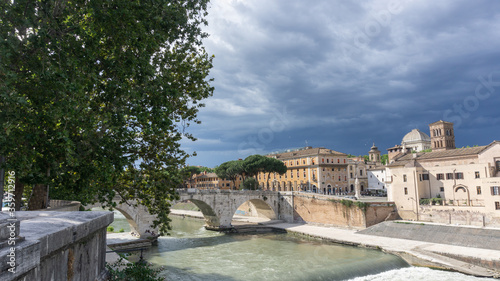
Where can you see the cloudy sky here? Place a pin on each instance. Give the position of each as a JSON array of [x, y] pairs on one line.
[[345, 74]]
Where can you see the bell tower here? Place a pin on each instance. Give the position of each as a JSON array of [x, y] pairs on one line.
[[442, 135], [374, 154]]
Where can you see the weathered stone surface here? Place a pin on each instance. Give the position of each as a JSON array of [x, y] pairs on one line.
[[219, 206], [59, 246], [476, 237]]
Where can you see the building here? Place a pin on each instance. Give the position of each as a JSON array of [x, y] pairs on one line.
[[416, 140], [358, 171], [376, 179], [375, 172], [464, 179], [442, 135], [317, 170], [212, 181]]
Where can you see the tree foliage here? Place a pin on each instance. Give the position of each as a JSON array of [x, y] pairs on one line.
[[230, 170], [273, 165], [250, 167], [189, 172], [384, 158], [96, 95]]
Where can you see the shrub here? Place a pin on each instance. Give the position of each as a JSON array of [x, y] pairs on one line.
[[110, 229], [249, 184], [347, 203], [139, 271], [121, 230]]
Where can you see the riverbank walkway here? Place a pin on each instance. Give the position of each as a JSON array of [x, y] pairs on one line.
[[472, 261]]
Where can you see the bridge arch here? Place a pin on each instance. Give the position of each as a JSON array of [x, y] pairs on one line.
[[211, 218], [258, 208], [139, 218], [219, 206]]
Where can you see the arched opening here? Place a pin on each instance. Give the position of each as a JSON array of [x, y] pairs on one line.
[[253, 211], [195, 206], [329, 189], [461, 195], [122, 222]]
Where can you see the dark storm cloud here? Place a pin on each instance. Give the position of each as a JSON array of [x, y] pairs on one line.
[[345, 74]]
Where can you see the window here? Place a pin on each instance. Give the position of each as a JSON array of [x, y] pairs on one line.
[[338, 161], [323, 160], [404, 178], [351, 175], [497, 205], [449, 176], [441, 189], [495, 190], [478, 189], [327, 160], [459, 176], [440, 176], [477, 175], [406, 190], [361, 172], [425, 177]]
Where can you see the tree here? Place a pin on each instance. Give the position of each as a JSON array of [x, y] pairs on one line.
[[230, 170], [249, 184], [384, 158], [254, 164], [95, 97], [189, 172], [273, 165]]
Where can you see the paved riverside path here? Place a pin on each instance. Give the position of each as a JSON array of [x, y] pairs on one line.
[[415, 252]]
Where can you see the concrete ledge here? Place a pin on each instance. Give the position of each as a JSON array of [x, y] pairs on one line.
[[58, 246]]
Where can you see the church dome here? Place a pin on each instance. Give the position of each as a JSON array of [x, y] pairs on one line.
[[416, 136]]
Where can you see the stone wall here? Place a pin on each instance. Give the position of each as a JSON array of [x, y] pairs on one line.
[[475, 237], [459, 215], [64, 206], [324, 210], [58, 246]]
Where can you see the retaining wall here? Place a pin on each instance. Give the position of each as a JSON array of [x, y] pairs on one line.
[[476, 237], [325, 210]]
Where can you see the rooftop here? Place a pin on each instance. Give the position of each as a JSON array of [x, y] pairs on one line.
[[308, 151]]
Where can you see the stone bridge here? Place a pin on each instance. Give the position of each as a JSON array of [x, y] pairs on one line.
[[218, 207]]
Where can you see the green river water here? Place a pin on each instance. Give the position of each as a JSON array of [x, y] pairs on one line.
[[193, 253]]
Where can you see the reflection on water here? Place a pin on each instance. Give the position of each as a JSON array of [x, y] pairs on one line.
[[193, 253]]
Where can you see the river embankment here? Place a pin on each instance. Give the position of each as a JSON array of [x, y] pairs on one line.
[[482, 262]]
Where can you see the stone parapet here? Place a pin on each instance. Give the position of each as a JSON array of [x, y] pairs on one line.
[[57, 246]]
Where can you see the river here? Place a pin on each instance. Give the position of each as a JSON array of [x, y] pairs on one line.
[[193, 253]]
